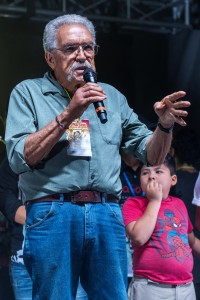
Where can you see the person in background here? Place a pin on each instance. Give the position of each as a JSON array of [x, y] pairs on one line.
[[162, 236], [196, 201], [186, 152], [14, 210], [130, 179], [6, 292], [72, 198]]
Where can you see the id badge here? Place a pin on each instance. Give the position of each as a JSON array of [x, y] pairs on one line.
[[78, 138]]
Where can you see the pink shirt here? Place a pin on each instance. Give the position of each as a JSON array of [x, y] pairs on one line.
[[167, 256]]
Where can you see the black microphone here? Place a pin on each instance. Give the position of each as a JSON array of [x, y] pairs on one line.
[[90, 76]]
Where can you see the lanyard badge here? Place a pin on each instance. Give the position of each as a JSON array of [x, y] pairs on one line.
[[78, 138]]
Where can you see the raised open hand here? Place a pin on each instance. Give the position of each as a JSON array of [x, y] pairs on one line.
[[171, 109]]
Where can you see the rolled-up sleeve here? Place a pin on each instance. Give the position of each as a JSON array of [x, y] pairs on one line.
[[20, 123]]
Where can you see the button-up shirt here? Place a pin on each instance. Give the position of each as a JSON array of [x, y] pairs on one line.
[[36, 102]]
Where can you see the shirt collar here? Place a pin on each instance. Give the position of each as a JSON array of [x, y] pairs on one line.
[[51, 86]]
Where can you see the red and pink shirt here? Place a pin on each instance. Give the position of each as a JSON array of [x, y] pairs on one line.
[[167, 256]]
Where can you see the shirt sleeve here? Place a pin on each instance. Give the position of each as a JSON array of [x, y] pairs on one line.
[[132, 210], [18, 126], [196, 197], [190, 226], [9, 202], [135, 135]]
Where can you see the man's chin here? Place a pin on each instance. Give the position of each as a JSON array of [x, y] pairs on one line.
[[79, 78], [76, 81]]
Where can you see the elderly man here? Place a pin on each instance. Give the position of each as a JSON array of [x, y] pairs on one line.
[[74, 223]]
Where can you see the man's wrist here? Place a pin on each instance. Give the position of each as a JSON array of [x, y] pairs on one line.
[[165, 129], [60, 124]]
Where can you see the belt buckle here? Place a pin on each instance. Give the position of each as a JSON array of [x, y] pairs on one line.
[[86, 197], [97, 197]]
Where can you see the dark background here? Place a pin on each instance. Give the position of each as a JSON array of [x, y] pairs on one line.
[[145, 66]]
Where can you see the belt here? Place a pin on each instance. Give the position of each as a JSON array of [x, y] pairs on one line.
[[78, 197], [159, 284]]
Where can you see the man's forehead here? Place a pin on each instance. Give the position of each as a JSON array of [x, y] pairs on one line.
[[73, 32]]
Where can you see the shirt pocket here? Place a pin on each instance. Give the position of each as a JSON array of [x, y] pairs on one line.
[[111, 131]]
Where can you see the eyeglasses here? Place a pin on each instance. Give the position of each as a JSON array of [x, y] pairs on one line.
[[89, 49]]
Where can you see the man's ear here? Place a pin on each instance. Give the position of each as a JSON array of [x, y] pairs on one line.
[[174, 180], [50, 60]]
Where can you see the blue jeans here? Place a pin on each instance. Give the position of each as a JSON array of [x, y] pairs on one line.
[[21, 281], [65, 240], [81, 294]]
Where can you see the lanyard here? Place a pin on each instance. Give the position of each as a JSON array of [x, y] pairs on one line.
[[129, 184], [66, 91]]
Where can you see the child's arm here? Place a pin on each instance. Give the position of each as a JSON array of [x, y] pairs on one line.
[[194, 244], [141, 230]]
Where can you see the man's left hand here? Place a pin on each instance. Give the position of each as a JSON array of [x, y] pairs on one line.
[[170, 109]]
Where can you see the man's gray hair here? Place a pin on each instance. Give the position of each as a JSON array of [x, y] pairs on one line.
[[50, 31]]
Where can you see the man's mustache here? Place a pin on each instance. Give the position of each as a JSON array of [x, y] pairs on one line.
[[77, 65]]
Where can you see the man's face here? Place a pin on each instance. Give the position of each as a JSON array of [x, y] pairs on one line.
[[68, 65]]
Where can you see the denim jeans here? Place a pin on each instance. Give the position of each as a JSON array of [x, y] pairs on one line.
[[65, 240], [21, 281], [81, 293]]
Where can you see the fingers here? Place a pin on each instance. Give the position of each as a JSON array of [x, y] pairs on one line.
[[176, 104], [83, 97], [171, 109], [174, 97], [179, 120], [93, 87], [154, 184], [177, 110], [154, 191], [93, 92]]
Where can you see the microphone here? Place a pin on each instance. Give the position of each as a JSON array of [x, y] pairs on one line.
[[90, 76]]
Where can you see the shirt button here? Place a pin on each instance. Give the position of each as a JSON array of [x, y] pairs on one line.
[[92, 176]]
